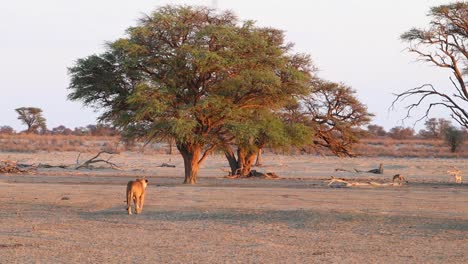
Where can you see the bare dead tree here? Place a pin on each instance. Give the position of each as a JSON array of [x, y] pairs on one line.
[[444, 44]]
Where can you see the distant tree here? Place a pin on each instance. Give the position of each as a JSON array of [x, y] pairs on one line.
[[376, 131], [184, 73], [61, 130], [102, 130], [81, 131], [91, 129], [335, 115], [8, 130], [435, 128], [401, 132], [32, 118], [454, 138], [444, 44]]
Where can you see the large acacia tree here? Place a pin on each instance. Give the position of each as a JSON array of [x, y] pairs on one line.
[[184, 73], [443, 44]]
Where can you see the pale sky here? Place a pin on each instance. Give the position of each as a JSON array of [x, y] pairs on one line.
[[351, 41]]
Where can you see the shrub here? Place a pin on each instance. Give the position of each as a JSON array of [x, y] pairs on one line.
[[454, 138]]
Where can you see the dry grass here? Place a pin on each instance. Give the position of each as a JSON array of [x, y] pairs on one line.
[[382, 147], [34, 143], [69, 216], [30, 143], [418, 148], [82, 219]]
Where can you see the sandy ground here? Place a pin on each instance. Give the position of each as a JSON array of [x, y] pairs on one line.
[[66, 216]]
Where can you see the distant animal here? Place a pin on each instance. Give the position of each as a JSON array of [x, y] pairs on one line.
[[399, 178], [136, 192], [457, 174]]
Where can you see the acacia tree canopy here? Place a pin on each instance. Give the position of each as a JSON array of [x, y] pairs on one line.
[[328, 117], [334, 114], [184, 72], [258, 130]]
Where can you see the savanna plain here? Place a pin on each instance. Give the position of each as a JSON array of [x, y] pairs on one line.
[[54, 215]]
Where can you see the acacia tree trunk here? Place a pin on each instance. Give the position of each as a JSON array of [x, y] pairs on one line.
[[259, 161], [245, 160], [242, 165], [171, 146], [231, 157], [191, 154]]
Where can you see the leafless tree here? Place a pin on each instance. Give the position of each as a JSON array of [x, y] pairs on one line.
[[444, 44]]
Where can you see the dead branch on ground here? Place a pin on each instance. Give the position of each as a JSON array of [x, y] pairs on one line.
[[167, 165], [8, 166], [340, 182], [255, 174], [48, 166], [88, 164]]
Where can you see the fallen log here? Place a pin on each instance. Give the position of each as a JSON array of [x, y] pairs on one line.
[[48, 166], [255, 174], [7, 166], [340, 182], [380, 170]]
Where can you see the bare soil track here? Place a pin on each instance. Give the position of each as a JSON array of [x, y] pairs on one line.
[[52, 218]]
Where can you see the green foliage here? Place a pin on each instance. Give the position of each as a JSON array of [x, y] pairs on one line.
[[267, 129], [183, 71]]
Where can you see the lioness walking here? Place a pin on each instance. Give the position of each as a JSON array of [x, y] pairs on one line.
[[136, 192]]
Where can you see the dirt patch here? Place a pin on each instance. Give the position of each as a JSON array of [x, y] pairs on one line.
[[292, 220]]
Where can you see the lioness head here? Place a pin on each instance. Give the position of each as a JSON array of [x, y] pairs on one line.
[[144, 182]]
